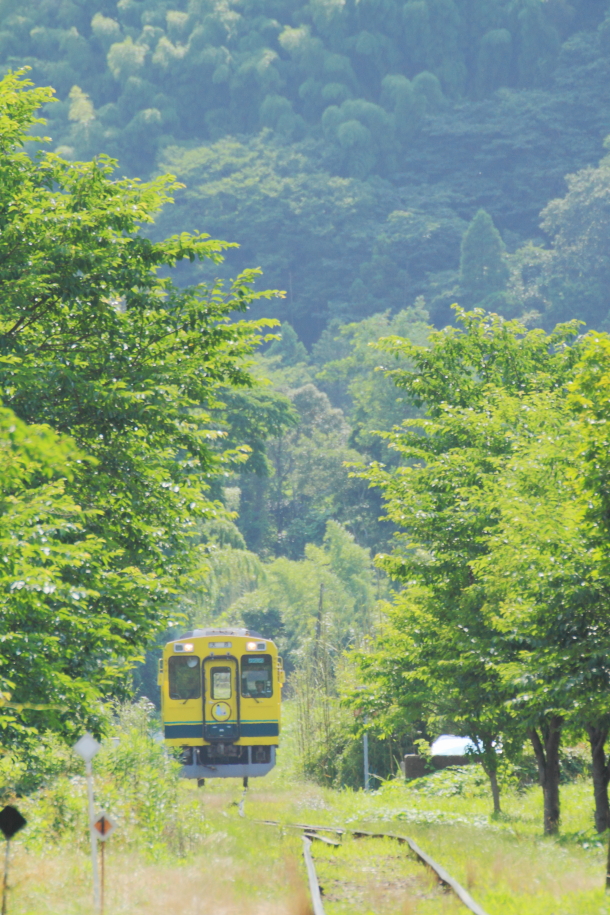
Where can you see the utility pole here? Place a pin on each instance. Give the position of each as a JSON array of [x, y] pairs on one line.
[[365, 754], [316, 646]]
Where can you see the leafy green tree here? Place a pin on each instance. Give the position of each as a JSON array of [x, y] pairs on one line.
[[448, 460], [228, 571], [255, 419], [289, 347], [106, 30], [439, 659], [99, 345], [589, 400], [301, 480], [536, 549], [537, 43], [575, 276], [546, 586], [327, 598], [310, 483], [356, 381], [125, 58], [60, 646]]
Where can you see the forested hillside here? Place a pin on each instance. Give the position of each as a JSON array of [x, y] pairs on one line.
[[168, 462], [346, 146]]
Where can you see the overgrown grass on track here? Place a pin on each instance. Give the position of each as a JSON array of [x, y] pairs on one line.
[[507, 865]]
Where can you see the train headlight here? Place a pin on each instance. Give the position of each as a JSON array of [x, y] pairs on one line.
[[256, 646], [184, 646]]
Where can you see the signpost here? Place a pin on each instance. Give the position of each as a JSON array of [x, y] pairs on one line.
[[365, 747], [87, 747], [104, 826], [365, 756], [11, 822]]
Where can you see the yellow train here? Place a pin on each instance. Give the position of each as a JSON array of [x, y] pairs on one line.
[[221, 701]]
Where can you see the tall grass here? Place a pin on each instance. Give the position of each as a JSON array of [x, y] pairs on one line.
[[179, 848]]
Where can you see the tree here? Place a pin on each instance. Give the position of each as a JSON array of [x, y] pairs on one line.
[[255, 418], [494, 61], [483, 269], [352, 374], [439, 648], [289, 347], [311, 483], [445, 612], [288, 598], [544, 598], [518, 481], [98, 344], [589, 400], [60, 648], [576, 274]]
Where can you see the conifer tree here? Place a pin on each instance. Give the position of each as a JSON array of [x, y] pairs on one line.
[[483, 269]]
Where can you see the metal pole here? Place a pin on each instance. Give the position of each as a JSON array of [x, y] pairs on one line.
[[316, 646], [96, 884], [102, 881], [5, 881], [365, 747]]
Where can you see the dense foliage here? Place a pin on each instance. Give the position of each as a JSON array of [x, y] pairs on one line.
[[99, 514], [366, 73], [345, 146], [380, 161], [500, 631]]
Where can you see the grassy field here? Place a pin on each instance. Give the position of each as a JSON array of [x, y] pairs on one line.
[[195, 855], [239, 865]]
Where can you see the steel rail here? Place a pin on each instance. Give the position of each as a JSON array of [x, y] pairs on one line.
[[303, 826], [316, 835], [443, 875], [314, 886]]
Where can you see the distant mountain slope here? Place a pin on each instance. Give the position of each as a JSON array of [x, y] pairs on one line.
[[362, 74], [396, 121]]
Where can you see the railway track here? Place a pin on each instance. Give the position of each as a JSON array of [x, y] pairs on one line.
[[311, 834]]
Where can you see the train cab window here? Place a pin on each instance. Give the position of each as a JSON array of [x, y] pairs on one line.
[[184, 678], [256, 677], [221, 682]]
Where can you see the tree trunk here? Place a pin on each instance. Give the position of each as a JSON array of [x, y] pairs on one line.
[[546, 747], [495, 790], [601, 776], [489, 761]]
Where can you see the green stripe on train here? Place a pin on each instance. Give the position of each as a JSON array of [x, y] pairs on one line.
[[247, 729]]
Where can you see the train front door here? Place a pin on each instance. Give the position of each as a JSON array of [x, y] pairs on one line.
[[220, 700]]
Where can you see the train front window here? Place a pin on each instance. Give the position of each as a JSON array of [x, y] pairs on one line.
[[221, 682], [256, 677], [184, 678]]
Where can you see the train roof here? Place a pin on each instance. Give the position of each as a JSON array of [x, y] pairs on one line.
[[199, 633]]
